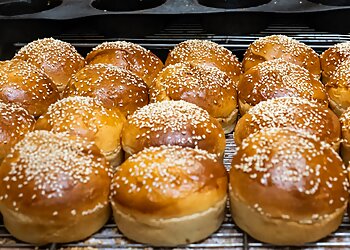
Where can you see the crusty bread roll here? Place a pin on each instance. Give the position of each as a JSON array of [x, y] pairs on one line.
[[169, 196], [287, 187], [338, 87], [206, 86], [130, 56], [15, 122], [54, 188], [173, 123], [208, 53], [88, 118], [280, 46], [114, 86], [24, 84], [332, 58], [278, 78], [291, 112], [58, 59]]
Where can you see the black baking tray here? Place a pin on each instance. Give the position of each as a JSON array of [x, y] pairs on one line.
[[30, 19]]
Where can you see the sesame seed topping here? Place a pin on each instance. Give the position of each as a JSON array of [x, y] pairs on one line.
[[50, 161]]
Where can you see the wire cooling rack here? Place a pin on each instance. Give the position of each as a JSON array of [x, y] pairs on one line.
[[228, 236]]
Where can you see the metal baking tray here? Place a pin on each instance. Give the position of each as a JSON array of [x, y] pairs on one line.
[[229, 236], [28, 19]]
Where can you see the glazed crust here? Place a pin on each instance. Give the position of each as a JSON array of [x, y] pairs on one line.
[[208, 53], [279, 46], [130, 56]]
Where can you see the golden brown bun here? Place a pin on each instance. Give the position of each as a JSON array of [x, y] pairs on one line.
[[54, 189], [88, 118], [130, 56], [278, 78], [15, 122], [58, 59], [345, 128], [173, 123], [279, 46], [26, 85], [338, 87], [114, 86], [287, 187], [292, 112], [332, 58], [206, 86], [208, 53], [161, 185]]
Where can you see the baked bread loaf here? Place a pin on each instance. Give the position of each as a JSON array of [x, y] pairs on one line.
[[58, 59], [54, 188], [338, 88], [291, 112], [332, 58], [280, 46], [130, 56], [287, 187], [206, 86], [87, 117], [15, 122], [113, 86], [26, 85], [208, 53], [275, 79], [173, 123], [153, 195]]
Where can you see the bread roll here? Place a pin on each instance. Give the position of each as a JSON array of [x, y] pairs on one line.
[[87, 117], [58, 59], [15, 122], [208, 53], [275, 79], [206, 86], [113, 86], [338, 88], [173, 123], [332, 58], [291, 112], [153, 195], [26, 85], [130, 56], [287, 187], [54, 188], [280, 46]]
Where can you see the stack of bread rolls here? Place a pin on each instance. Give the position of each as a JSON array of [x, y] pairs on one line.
[[120, 131]]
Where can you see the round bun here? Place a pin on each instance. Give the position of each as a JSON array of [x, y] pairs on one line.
[[153, 193], [173, 123], [338, 88], [275, 79], [15, 122], [54, 189], [87, 117], [209, 53], [206, 86], [130, 56], [292, 112], [279, 46], [114, 86], [287, 187], [345, 128], [332, 58], [58, 59], [26, 85]]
